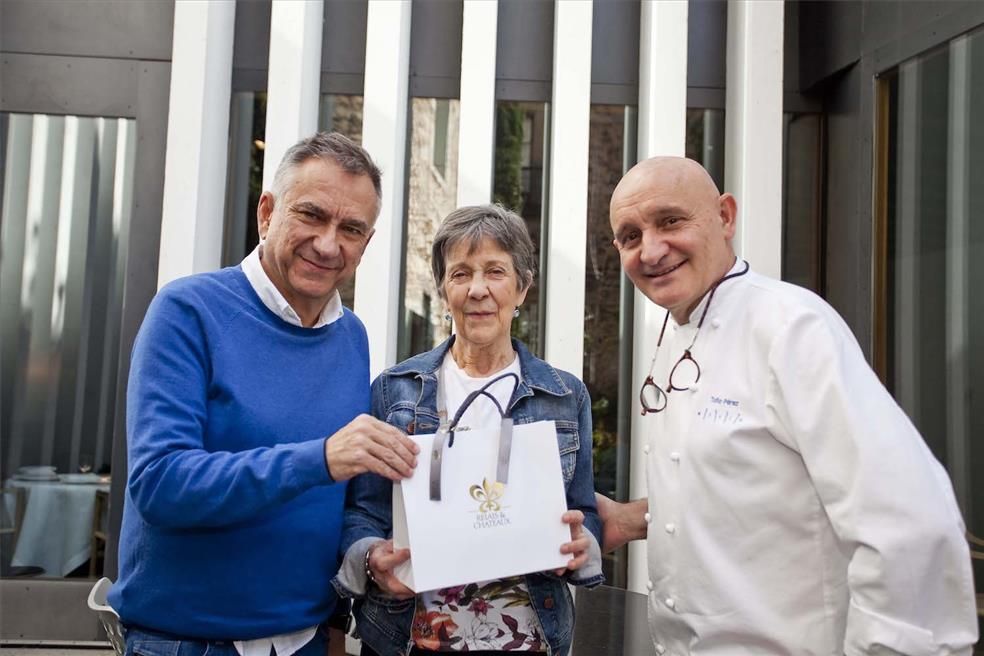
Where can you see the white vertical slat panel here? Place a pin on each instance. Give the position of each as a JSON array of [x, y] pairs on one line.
[[753, 132], [568, 205], [384, 135], [197, 139], [294, 78], [662, 131], [476, 131]]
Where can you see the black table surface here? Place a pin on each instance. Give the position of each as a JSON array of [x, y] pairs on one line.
[[611, 621]]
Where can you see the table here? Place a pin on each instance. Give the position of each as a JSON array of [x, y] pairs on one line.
[[56, 533], [611, 621]]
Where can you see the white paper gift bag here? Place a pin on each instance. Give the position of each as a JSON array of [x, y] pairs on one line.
[[481, 528]]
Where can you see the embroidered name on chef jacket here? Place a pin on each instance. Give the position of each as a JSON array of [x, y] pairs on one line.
[[721, 410]]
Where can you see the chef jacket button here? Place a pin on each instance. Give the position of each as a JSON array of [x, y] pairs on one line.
[[694, 388], [645, 448], [675, 456], [715, 323], [670, 603], [649, 586], [660, 648], [648, 517], [670, 528]]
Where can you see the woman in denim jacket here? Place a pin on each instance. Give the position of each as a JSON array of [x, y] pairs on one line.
[[483, 263]]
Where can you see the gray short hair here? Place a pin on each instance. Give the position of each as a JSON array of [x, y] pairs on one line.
[[471, 225], [331, 147]]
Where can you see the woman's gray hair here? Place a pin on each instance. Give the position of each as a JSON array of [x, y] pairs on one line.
[[470, 225], [330, 147]]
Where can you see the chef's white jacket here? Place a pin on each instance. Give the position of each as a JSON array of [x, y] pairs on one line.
[[793, 507]]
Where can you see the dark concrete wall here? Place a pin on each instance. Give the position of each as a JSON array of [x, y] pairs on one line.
[[842, 47], [88, 28]]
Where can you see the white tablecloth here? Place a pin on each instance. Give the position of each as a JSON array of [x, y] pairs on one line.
[[57, 530]]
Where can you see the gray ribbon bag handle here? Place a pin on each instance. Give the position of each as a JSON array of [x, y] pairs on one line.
[[445, 433]]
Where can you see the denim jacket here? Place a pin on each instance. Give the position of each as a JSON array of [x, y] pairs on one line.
[[405, 396]]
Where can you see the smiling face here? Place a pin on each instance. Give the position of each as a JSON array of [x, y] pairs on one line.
[[673, 232], [315, 233], [482, 288]]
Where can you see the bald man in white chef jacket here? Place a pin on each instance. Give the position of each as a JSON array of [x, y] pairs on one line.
[[793, 508]]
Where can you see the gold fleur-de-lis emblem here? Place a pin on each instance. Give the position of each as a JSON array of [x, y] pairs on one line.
[[489, 494]]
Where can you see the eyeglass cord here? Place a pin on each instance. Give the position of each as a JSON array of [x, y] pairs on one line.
[[666, 319]]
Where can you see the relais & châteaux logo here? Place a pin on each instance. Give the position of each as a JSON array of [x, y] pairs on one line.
[[490, 512]]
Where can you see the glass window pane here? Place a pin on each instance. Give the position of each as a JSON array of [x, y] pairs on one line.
[[440, 152], [705, 141], [935, 256], [342, 113], [801, 207], [247, 127], [607, 328], [247, 130], [67, 201], [521, 143], [432, 196]]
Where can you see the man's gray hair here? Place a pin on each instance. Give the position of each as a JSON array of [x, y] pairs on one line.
[[330, 147], [470, 225]]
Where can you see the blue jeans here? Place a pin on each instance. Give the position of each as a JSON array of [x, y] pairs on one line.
[[145, 642]]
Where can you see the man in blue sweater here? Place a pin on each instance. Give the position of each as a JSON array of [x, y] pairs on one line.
[[246, 414]]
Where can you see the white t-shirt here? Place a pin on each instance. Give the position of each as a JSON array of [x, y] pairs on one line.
[[456, 385]]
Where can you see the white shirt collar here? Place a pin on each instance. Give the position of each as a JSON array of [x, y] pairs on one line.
[[275, 301]]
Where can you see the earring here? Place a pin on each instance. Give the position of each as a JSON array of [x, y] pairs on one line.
[[516, 312], [447, 317]]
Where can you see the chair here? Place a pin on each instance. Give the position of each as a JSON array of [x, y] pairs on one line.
[[108, 617], [20, 504], [97, 548]]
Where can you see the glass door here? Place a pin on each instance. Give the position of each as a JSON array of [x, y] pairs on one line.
[[67, 203], [82, 143], [929, 234]]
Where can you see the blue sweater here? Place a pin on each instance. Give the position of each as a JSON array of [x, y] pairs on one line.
[[231, 523]]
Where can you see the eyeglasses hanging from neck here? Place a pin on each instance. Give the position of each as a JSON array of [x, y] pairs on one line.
[[686, 372]]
